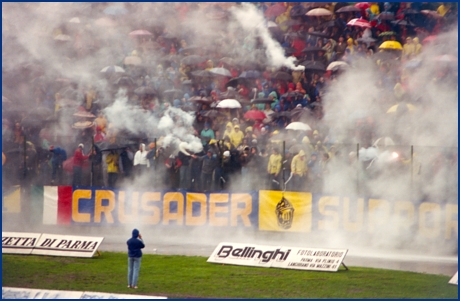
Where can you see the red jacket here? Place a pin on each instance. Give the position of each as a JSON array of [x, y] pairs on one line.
[[79, 158]]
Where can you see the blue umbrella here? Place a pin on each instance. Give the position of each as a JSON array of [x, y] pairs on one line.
[[250, 74], [115, 10]]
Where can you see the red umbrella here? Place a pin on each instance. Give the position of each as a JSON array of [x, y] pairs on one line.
[[275, 10], [363, 5], [255, 114], [429, 39], [360, 23]]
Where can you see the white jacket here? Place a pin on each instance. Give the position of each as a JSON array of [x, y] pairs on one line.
[[140, 158]]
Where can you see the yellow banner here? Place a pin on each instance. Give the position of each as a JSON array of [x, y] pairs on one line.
[[12, 200], [285, 211]]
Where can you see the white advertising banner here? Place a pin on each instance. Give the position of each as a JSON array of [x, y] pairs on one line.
[[18, 242], [95, 295], [454, 279], [29, 293], [246, 254], [312, 259], [66, 245]]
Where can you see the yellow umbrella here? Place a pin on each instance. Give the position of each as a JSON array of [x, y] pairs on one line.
[[399, 107], [391, 45]]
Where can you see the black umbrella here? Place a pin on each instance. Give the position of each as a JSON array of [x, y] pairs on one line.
[[384, 55], [202, 73], [403, 23], [145, 90], [107, 146], [292, 94], [410, 11], [348, 9], [313, 66], [233, 82], [261, 100], [286, 114], [193, 59], [298, 11], [282, 76], [331, 23], [200, 99], [188, 108], [386, 16], [228, 61], [289, 51], [230, 93]]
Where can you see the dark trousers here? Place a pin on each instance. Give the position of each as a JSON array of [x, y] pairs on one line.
[[206, 181], [77, 176], [112, 179], [275, 182]]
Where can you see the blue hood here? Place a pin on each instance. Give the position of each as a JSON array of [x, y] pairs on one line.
[[135, 233]]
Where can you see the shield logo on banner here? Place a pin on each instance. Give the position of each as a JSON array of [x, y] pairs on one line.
[[284, 213]]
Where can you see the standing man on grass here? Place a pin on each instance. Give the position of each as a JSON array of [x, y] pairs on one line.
[[135, 244]]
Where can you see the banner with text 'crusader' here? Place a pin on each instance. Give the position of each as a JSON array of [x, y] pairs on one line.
[[18, 242], [95, 206], [66, 245], [312, 259]]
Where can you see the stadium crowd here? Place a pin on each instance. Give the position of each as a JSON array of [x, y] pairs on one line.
[[245, 146]]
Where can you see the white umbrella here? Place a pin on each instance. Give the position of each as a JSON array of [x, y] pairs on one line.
[[337, 65], [113, 68], [221, 71], [319, 12], [229, 104], [383, 141], [298, 126]]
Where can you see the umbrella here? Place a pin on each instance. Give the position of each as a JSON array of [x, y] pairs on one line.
[[431, 13], [211, 113], [200, 99], [75, 20], [331, 23], [255, 115], [337, 65], [132, 60], [290, 22], [124, 81], [188, 107], [250, 74], [233, 82], [107, 146], [359, 22], [202, 73], [401, 108], [447, 58], [363, 5], [228, 61], [348, 9], [298, 11], [84, 114], [275, 10], [111, 69], [82, 124], [313, 66], [385, 55], [387, 33], [295, 149], [294, 94], [172, 91], [221, 71], [193, 60], [115, 10], [62, 37], [282, 114], [229, 104], [366, 40], [281, 75], [383, 141], [298, 126], [261, 100], [391, 45], [386, 16], [191, 48], [145, 90], [412, 64], [318, 34], [105, 22], [410, 11], [140, 32], [318, 12], [403, 23], [429, 39]]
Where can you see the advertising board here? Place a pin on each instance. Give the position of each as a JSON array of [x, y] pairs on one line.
[[66, 245], [19, 242]]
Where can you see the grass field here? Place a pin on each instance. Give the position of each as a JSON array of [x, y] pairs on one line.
[[192, 277]]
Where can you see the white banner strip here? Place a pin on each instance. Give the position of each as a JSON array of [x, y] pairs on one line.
[[454, 279], [18, 242], [50, 205], [66, 245], [312, 259], [28, 293]]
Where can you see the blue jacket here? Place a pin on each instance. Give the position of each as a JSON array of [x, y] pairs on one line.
[[135, 244], [59, 155]]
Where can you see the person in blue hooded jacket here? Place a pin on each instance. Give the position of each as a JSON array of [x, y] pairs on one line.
[[135, 244]]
